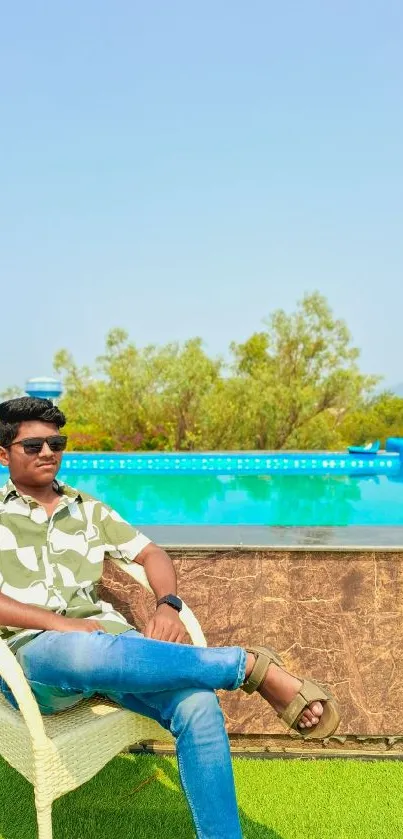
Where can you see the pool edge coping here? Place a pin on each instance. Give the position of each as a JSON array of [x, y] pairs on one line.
[[205, 547]]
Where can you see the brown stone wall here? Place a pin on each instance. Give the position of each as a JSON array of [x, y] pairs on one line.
[[337, 616]]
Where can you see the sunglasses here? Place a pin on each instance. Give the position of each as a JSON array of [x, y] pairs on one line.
[[34, 445]]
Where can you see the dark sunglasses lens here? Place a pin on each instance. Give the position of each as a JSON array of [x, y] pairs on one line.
[[57, 444], [32, 447]]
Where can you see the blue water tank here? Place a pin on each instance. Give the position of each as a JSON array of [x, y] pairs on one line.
[[44, 387]]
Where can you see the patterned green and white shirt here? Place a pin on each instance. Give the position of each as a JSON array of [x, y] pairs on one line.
[[57, 562]]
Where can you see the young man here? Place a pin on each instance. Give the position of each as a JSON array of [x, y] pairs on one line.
[[53, 540]]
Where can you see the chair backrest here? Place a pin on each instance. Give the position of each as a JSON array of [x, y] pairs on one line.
[[13, 676]]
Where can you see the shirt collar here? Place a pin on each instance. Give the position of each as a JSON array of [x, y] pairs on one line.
[[10, 491], [7, 491]]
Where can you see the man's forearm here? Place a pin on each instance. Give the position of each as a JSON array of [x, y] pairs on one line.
[[159, 569], [16, 614]]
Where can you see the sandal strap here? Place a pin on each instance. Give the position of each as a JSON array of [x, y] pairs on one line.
[[294, 710], [264, 657], [308, 692]]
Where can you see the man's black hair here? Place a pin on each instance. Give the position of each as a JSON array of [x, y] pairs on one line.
[[26, 408]]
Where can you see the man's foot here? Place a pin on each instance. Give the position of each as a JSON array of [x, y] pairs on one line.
[[279, 689]]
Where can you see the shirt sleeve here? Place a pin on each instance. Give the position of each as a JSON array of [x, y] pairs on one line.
[[122, 540]]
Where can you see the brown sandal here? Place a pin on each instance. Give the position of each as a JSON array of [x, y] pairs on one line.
[[309, 692], [265, 656]]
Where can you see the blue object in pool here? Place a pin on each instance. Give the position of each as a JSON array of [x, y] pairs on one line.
[[370, 448], [394, 444]]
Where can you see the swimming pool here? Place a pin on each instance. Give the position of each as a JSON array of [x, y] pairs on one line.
[[249, 498], [267, 500]]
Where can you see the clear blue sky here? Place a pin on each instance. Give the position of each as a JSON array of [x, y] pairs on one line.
[[181, 168]]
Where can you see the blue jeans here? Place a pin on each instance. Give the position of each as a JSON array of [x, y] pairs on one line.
[[171, 683]]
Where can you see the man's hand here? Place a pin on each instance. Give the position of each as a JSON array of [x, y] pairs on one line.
[[166, 625], [64, 624]]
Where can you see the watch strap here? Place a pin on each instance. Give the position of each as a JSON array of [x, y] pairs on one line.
[[171, 600]]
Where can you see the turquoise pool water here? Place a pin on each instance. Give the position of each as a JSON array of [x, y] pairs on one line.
[[276, 500]]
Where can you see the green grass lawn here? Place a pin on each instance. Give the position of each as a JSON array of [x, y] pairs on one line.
[[139, 797]]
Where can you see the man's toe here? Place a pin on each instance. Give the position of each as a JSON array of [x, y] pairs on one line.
[[316, 709]]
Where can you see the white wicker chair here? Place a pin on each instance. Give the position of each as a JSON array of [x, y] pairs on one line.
[[60, 752]]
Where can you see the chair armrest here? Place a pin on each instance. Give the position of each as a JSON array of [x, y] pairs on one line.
[[14, 677], [186, 615]]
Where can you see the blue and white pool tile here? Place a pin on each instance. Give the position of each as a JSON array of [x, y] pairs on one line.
[[238, 463]]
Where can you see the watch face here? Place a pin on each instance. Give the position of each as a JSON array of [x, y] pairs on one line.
[[173, 601]]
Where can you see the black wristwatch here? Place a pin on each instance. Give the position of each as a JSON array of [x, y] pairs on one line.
[[171, 600]]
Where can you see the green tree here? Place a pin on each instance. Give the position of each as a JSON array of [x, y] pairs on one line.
[[187, 377], [149, 398], [380, 418], [300, 374], [295, 384]]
